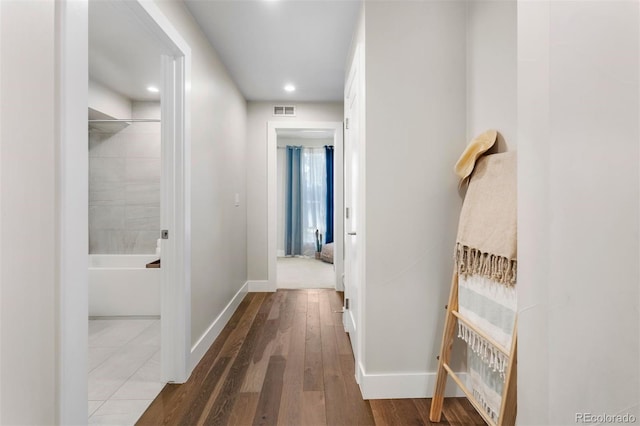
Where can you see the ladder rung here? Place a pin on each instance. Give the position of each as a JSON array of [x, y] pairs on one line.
[[481, 333], [469, 395]]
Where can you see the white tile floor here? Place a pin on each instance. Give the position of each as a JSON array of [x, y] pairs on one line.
[[302, 272], [124, 369]]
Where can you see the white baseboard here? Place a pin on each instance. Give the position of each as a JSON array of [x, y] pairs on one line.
[[206, 340], [404, 385], [260, 286]]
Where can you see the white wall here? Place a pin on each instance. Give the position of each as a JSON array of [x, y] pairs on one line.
[[258, 114], [491, 70], [458, 62], [415, 131], [124, 184], [27, 215], [578, 118], [282, 179], [108, 102], [218, 172]]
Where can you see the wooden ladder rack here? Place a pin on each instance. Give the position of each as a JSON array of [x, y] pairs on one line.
[[507, 415]]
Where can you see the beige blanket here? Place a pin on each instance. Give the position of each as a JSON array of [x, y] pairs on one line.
[[487, 232]]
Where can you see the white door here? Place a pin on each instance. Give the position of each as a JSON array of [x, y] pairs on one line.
[[352, 285]]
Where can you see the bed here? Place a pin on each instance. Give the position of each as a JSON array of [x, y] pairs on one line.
[[326, 254]]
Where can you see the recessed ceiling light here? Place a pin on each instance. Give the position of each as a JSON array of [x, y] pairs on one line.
[[290, 88], [153, 89], [313, 131]]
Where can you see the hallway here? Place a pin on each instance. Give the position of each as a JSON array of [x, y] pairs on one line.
[[284, 358]]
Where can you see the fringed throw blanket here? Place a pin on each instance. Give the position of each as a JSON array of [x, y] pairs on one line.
[[485, 256], [491, 307], [486, 243]]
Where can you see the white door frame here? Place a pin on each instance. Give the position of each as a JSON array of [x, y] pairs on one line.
[[272, 194], [72, 201], [357, 71]]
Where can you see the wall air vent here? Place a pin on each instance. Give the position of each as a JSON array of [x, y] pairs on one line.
[[284, 110]]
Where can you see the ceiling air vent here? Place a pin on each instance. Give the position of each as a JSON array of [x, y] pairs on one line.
[[284, 110]]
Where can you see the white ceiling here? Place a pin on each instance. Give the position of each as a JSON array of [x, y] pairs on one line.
[[267, 44], [122, 55]]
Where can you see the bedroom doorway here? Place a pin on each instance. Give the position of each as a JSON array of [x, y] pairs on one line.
[[305, 209], [305, 205]]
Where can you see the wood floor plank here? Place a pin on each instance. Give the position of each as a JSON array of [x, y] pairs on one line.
[[359, 409], [342, 341], [312, 295], [281, 342], [267, 411], [406, 410], [286, 313], [313, 409], [466, 407], [383, 412], [201, 399], [423, 405], [166, 407], [269, 343], [225, 399], [294, 373], [313, 371], [257, 369], [239, 334], [244, 409], [336, 305], [278, 300], [451, 412], [313, 342], [174, 400], [334, 387], [287, 309], [303, 299], [457, 414], [326, 317]]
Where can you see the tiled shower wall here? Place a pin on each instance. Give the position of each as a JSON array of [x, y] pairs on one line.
[[124, 186]]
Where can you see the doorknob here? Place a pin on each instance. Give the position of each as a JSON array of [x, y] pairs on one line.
[[351, 233]]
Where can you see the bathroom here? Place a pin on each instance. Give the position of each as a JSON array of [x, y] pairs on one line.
[[125, 145]]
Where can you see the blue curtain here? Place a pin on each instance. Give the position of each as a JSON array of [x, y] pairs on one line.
[[328, 152], [293, 208]]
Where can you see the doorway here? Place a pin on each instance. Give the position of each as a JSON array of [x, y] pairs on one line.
[[295, 265], [305, 209], [172, 58], [128, 200]]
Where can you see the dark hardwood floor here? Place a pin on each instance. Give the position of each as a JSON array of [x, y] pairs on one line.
[[285, 359]]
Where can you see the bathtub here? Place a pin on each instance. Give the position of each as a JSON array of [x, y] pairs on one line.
[[121, 285]]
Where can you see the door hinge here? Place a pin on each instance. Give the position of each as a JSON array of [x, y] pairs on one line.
[[164, 234], [346, 124], [346, 303], [347, 213]]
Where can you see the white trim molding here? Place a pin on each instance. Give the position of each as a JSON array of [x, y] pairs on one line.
[[72, 207], [175, 215], [206, 340], [404, 385], [261, 286]]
